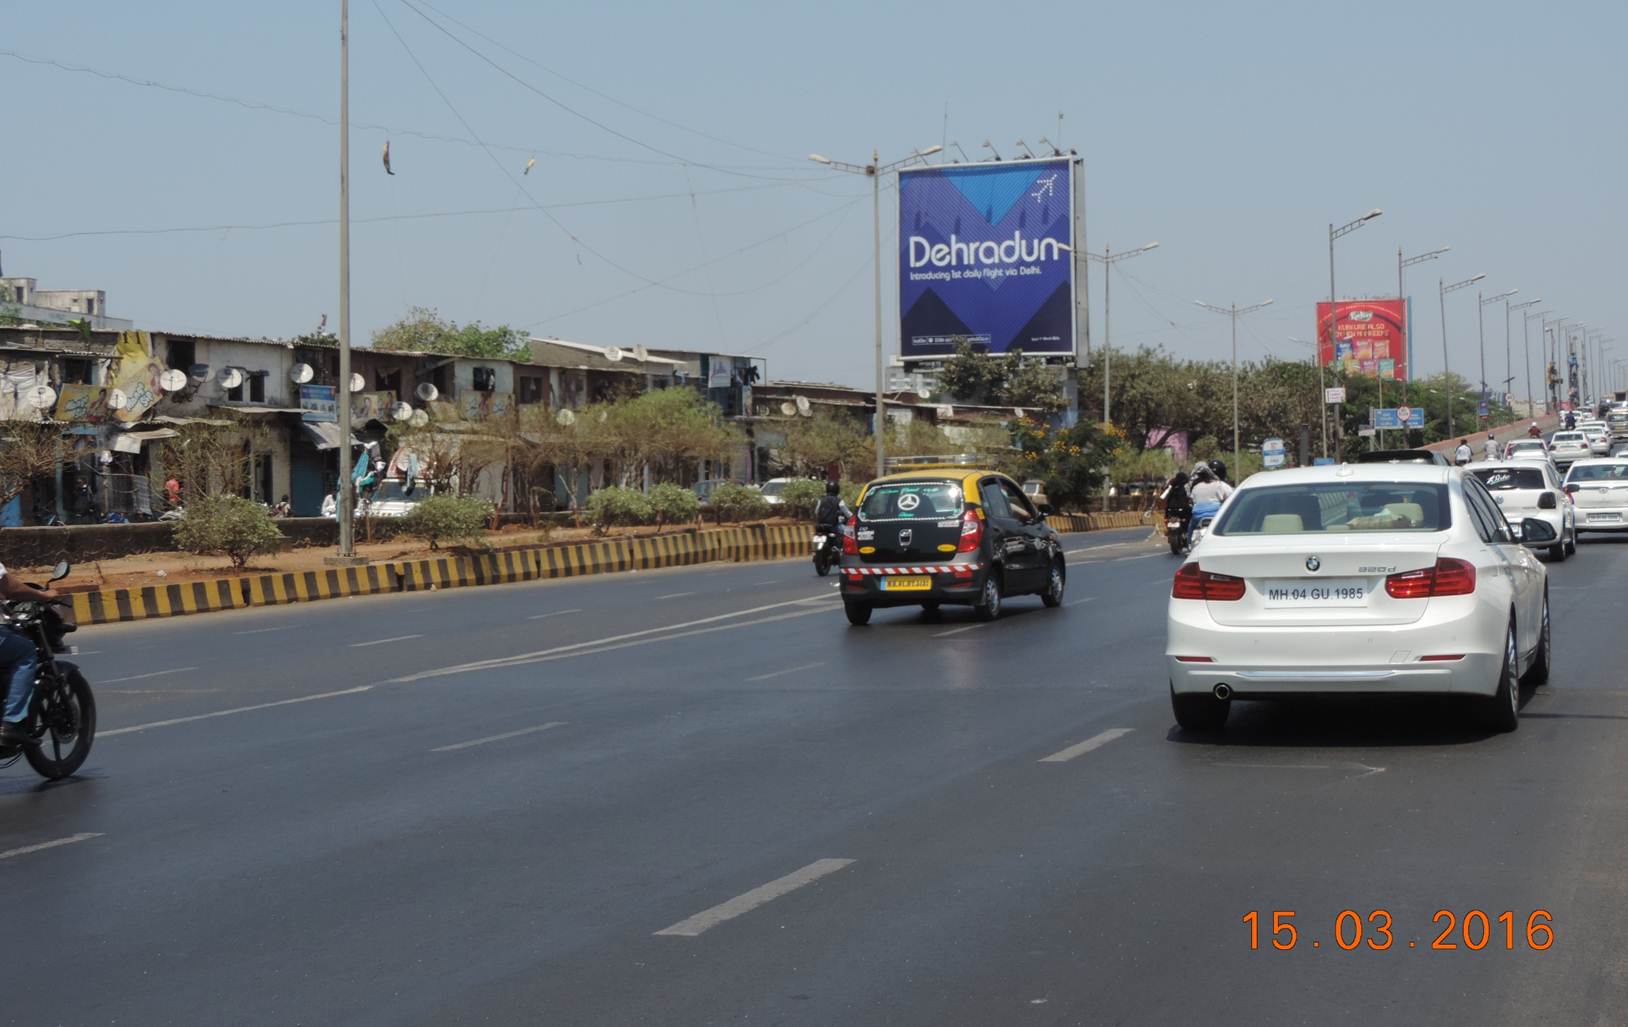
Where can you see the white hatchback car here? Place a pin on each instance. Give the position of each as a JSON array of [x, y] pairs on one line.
[[1600, 490], [1531, 488], [1368, 578], [1566, 446]]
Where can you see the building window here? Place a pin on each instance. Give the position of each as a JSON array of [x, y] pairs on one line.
[[390, 383], [257, 387], [485, 379], [75, 371], [531, 389], [90, 306], [182, 353], [235, 395]]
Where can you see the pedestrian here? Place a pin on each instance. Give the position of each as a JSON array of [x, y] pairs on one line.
[[172, 491], [282, 509], [330, 508], [1463, 455], [1490, 447]]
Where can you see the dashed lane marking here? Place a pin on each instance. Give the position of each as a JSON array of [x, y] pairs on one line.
[[551, 725], [748, 901], [42, 846], [788, 670], [382, 641], [957, 631], [551, 613], [227, 713], [144, 677], [1081, 748]]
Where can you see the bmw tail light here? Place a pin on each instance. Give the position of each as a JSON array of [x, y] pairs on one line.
[[1194, 582], [972, 532], [1449, 577], [850, 537]]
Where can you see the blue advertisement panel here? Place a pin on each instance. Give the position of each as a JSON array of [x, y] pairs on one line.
[[319, 403], [986, 255]]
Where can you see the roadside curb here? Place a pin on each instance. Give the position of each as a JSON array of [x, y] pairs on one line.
[[744, 544]]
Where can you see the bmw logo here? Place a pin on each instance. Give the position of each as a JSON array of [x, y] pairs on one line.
[[1312, 564]]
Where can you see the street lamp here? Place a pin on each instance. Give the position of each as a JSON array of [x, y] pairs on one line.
[[1233, 312], [1407, 319], [874, 171], [1333, 309], [1526, 346], [346, 492], [1509, 364], [1446, 368], [1480, 328], [1108, 259]]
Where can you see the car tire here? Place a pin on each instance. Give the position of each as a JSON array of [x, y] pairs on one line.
[[1196, 711], [988, 606], [1056, 582], [1501, 711], [859, 614], [1538, 673], [1571, 543], [1174, 538], [1557, 552]]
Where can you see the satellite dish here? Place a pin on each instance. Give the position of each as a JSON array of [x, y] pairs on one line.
[[299, 374], [1017, 411], [789, 408], [173, 380], [419, 419], [427, 392], [230, 378], [641, 354], [566, 418], [42, 397], [946, 411], [803, 406], [357, 382], [116, 399], [401, 411], [613, 353], [923, 392]]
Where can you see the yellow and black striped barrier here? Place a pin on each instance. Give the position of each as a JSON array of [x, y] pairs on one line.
[[110, 606], [308, 586]]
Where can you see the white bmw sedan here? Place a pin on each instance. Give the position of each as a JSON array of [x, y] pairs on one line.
[[1369, 578]]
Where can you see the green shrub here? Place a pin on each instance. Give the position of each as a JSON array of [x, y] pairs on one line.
[[850, 493], [228, 526], [438, 519], [799, 497], [674, 504], [733, 502], [616, 505]]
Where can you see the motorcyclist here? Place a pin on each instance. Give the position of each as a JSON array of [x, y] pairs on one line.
[[18, 662], [1210, 487], [1533, 431], [1177, 504], [830, 511]]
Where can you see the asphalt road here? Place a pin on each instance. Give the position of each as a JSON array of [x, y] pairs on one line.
[[699, 796]]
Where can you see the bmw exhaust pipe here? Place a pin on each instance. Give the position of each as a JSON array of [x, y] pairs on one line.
[[1223, 692]]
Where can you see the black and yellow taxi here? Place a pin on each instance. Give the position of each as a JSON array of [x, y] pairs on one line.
[[938, 533]]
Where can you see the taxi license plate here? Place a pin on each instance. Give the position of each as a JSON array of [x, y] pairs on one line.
[[907, 584], [1299, 593]]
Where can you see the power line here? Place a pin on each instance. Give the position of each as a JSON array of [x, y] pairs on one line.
[[323, 119], [820, 309], [421, 216]]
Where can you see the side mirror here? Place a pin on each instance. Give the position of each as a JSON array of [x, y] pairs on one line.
[[1534, 530], [61, 570], [1571, 488], [1547, 501], [1046, 509]]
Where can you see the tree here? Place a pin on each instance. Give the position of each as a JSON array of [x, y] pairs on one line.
[[228, 525], [30, 451], [1072, 462], [209, 460], [423, 330], [971, 376], [816, 443]]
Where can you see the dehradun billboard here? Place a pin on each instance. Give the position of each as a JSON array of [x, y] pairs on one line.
[[986, 254]]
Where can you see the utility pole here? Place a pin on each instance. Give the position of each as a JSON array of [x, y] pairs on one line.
[[1407, 311], [1232, 312], [346, 490], [1443, 289], [1481, 331], [1334, 311], [1107, 260], [1526, 345]]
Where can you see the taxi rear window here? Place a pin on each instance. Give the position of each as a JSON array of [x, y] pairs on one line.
[[1504, 479], [912, 501]]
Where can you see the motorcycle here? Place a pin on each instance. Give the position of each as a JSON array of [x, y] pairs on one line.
[[827, 550], [1203, 515], [1175, 528], [62, 711]]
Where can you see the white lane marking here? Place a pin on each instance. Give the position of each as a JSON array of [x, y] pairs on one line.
[[551, 613], [748, 901], [676, 595], [957, 631], [262, 631], [1367, 771], [499, 738], [788, 670], [382, 641], [143, 677], [227, 713], [597, 644], [1081, 748], [1076, 602], [42, 846]]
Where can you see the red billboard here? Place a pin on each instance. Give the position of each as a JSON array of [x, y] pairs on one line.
[[1369, 338]]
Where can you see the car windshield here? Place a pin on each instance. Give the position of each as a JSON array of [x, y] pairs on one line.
[[1506, 479], [394, 490], [1337, 507], [773, 488], [912, 501], [1526, 447], [1598, 472]]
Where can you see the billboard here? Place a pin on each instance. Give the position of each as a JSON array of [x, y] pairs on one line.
[[986, 254], [1369, 338]]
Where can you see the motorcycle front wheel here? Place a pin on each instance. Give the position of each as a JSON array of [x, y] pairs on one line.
[[822, 563], [66, 715]]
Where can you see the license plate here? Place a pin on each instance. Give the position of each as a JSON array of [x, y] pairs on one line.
[[819, 540], [907, 584], [1614, 517], [1172, 524], [1300, 593]]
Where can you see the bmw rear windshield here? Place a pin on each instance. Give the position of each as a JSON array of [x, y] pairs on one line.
[[1337, 507], [912, 501]]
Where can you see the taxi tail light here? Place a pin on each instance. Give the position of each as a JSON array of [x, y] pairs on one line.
[[972, 532], [1547, 501], [850, 537], [1194, 582], [1449, 577]]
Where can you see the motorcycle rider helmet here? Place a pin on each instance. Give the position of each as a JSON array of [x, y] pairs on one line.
[[832, 488], [1219, 468], [1203, 473]]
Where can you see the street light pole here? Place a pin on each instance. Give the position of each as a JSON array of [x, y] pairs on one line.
[[1407, 319], [1526, 346], [874, 171], [1233, 312], [1334, 311], [1509, 361], [1108, 259], [1481, 331], [1446, 368], [346, 489]]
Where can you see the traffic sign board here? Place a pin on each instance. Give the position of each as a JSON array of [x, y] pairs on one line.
[[1404, 414], [1272, 453], [1335, 394]]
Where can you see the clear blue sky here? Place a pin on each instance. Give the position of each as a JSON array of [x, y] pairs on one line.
[[1231, 133]]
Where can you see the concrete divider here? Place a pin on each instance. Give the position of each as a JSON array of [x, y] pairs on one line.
[[737, 544]]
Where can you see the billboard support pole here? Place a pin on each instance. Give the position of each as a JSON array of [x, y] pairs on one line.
[[346, 491], [876, 227], [1082, 280]]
